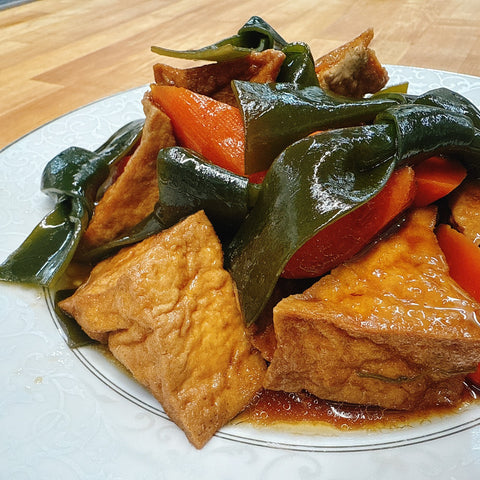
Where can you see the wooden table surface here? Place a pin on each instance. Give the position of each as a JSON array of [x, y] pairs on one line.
[[57, 55]]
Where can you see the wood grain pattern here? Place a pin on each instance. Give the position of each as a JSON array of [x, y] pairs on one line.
[[57, 55]]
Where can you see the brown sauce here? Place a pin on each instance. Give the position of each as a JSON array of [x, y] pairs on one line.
[[272, 407]]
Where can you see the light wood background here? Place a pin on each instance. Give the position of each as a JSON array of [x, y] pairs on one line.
[[57, 55]]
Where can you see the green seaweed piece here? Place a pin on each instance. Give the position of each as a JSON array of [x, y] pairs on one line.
[[71, 179]]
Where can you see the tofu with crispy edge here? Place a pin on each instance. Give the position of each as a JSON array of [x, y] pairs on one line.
[[214, 79], [352, 69], [168, 311], [133, 195], [390, 328]]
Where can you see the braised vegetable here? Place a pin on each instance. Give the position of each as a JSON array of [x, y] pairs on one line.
[[74, 335], [451, 101], [209, 127], [344, 238], [340, 170], [255, 35], [312, 180], [276, 115], [71, 179], [189, 183], [475, 376], [463, 258], [436, 177], [298, 67], [454, 102]]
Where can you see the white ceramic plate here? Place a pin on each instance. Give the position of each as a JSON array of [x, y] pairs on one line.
[[73, 414]]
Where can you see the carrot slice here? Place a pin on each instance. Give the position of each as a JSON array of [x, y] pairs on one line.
[[463, 259], [437, 177], [347, 236], [475, 376], [257, 177], [211, 128]]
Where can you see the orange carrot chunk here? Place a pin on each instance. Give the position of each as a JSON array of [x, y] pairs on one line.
[[257, 177], [475, 376], [341, 240], [437, 177], [463, 259], [207, 126]]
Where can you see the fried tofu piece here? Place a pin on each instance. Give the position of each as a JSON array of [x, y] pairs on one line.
[[465, 210], [390, 328], [261, 332], [168, 311], [352, 69], [133, 195], [214, 79]]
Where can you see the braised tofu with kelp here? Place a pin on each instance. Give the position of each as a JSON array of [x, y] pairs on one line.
[[390, 328], [277, 204]]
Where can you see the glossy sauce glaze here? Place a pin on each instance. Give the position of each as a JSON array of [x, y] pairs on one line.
[[275, 407]]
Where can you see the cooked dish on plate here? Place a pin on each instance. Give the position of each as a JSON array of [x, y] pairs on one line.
[[275, 223]]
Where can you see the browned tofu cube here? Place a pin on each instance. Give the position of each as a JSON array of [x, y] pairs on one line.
[[352, 69], [133, 195], [390, 328], [168, 311], [214, 79]]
